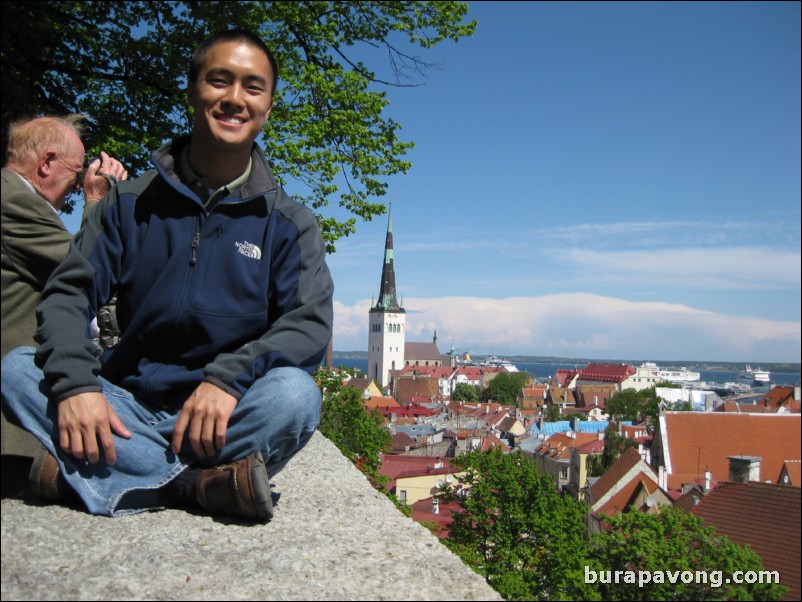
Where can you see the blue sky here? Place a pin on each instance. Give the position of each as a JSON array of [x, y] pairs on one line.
[[599, 180]]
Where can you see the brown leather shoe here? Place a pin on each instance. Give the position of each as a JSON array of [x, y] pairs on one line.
[[46, 479], [241, 488]]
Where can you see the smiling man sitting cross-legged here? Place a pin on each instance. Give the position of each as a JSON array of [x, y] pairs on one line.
[[224, 306]]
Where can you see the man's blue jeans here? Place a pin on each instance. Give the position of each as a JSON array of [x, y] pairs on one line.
[[277, 416]]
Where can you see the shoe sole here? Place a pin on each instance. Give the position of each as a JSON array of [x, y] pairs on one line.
[[260, 486]]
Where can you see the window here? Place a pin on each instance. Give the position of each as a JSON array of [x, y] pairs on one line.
[[402, 495], [564, 472]]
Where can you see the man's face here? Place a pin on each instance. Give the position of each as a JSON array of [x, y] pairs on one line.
[[63, 170], [232, 96]]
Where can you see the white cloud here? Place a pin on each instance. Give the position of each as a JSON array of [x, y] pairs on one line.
[[581, 325], [733, 268]]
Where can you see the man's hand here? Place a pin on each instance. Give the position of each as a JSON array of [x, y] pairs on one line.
[[85, 419], [100, 175], [206, 413]]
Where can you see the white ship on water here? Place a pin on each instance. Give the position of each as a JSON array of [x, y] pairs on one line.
[[673, 375], [490, 361], [497, 362], [758, 377]]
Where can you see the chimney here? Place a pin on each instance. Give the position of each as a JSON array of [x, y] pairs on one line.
[[435, 506], [600, 435], [744, 468], [708, 479], [796, 393]]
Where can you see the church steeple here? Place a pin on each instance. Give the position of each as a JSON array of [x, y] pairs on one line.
[[387, 323], [388, 299]]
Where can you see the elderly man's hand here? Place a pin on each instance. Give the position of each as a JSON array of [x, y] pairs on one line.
[[100, 176]]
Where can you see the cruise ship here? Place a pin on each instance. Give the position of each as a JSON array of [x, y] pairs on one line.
[[758, 377], [676, 375], [491, 361], [497, 362]]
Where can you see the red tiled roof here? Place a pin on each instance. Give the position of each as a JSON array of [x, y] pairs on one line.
[[692, 441], [487, 408], [461, 408], [632, 431], [564, 377], [559, 444], [778, 397], [432, 371], [358, 382], [595, 393], [626, 461], [622, 499], [616, 373], [742, 408], [591, 447], [477, 372], [534, 391], [393, 465], [490, 441], [429, 470], [471, 372], [380, 403], [507, 424], [402, 441], [561, 395], [764, 516], [423, 511]]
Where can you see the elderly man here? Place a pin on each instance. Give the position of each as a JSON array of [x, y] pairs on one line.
[[45, 164]]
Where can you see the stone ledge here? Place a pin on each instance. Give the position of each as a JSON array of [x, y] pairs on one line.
[[333, 538]]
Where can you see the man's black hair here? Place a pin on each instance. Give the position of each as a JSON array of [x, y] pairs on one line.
[[232, 35]]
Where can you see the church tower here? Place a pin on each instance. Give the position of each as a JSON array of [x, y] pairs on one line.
[[387, 322]]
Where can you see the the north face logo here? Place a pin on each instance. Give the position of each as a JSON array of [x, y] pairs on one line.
[[249, 249]]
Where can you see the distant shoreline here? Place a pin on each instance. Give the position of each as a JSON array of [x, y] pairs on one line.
[[784, 367]]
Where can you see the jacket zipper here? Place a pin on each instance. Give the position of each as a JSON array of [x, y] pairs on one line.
[[195, 244]]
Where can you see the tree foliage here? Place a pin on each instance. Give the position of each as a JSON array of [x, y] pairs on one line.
[[668, 542], [505, 387], [517, 531], [551, 412], [595, 465], [124, 64], [529, 542], [360, 435], [615, 444], [465, 392], [629, 404]]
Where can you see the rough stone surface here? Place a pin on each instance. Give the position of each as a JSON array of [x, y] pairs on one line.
[[333, 537]]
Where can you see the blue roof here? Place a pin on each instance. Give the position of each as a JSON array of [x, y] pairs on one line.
[[587, 426], [549, 428], [416, 430], [580, 426]]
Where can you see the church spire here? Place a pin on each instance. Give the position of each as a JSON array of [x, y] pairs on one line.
[[388, 300]]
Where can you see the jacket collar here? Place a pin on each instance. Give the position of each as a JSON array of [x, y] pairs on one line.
[[260, 183]]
